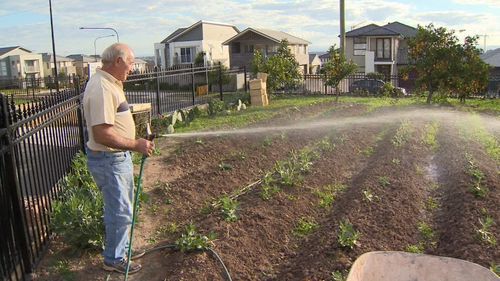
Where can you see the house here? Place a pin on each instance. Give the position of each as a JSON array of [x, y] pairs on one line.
[[81, 63], [20, 63], [65, 65], [492, 58], [140, 66], [184, 44], [382, 49], [314, 64], [267, 41]]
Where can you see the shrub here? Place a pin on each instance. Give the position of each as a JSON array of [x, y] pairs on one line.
[[348, 236], [215, 106], [193, 241], [78, 213]]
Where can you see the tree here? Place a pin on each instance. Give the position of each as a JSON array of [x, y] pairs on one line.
[[441, 63], [282, 68], [337, 68]]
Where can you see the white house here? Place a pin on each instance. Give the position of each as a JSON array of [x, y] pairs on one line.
[[19, 63], [184, 44]]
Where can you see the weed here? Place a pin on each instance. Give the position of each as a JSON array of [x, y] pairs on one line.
[[417, 248], [238, 155], [338, 275], [369, 196], [268, 141], [430, 135], [172, 228], [156, 151], [484, 232], [368, 151], [198, 141], [305, 226], [402, 134], [384, 181], [228, 208], [62, 268], [478, 176], [495, 268], [326, 145], [136, 158], [193, 241], [426, 231], [419, 170], [348, 236], [328, 194], [396, 161], [288, 173], [225, 166], [431, 204]]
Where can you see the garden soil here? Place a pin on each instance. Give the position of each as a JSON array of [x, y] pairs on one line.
[[390, 181]]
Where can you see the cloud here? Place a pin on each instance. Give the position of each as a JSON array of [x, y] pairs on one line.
[[478, 2]]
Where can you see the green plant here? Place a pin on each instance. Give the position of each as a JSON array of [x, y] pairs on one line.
[[326, 145], [495, 268], [478, 189], [190, 240], [426, 231], [369, 196], [484, 232], [368, 151], [384, 181], [396, 161], [430, 135], [228, 208], [348, 236], [78, 212], [402, 134], [431, 204], [305, 226], [268, 141], [225, 166], [338, 275], [328, 194], [215, 107], [417, 248], [269, 187]]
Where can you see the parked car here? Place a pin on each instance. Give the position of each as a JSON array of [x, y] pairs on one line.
[[372, 86]]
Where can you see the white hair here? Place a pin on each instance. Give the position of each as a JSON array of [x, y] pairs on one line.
[[117, 50]]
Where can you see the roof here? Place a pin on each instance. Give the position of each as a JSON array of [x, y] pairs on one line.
[[184, 30], [49, 57], [325, 56], [5, 50], [136, 60], [274, 35], [390, 29], [492, 57], [80, 57]]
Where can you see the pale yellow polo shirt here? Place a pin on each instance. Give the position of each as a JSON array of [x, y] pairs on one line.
[[104, 102]]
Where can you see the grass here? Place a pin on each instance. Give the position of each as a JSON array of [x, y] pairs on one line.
[[478, 105], [403, 134], [473, 127], [375, 103]]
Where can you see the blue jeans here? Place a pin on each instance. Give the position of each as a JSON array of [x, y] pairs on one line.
[[113, 173]]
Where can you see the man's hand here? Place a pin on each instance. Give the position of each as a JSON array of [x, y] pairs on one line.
[[145, 147]]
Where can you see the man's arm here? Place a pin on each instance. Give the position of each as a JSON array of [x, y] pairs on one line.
[[106, 135]]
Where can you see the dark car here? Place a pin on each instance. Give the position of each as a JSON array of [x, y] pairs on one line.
[[372, 86]]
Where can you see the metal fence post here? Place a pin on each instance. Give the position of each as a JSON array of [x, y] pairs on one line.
[[220, 82], [12, 189], [158, 105], [192, 83], [79, 113], [245, 77]]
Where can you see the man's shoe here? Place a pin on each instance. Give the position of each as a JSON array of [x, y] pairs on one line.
[[137, 254], [121, 267]]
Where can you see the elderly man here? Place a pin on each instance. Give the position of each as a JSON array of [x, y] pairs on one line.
[[111, 138]]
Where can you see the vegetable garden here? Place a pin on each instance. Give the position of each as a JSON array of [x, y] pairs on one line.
[[319, 186]]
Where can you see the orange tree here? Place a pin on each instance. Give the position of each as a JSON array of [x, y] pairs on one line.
[[441, 63], [337, 68]]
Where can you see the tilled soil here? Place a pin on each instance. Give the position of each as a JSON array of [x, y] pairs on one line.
[[388, 182]]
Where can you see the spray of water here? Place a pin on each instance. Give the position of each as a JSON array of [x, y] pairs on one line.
[[445, 117]]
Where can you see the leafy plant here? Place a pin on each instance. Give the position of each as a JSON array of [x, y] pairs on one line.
[[368, 151], [305, 226], [338, 275], [215, 107], [78, 212], [402, 134], [337, 68], [62, 267], [431, 204], [328, 194], [269, 187], [368, 195], [484, 232], [348, 236], [228, 208], [417, 248], [225, 166], [495, 268], [426, 231], [384, 181], [396, 161], [430, 135], [478, 189], [193, 241]]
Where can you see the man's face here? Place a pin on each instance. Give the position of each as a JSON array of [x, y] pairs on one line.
[[125, 65]]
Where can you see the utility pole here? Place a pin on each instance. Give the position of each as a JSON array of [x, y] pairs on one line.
[[342, 26], [56, 77], [484, 37]]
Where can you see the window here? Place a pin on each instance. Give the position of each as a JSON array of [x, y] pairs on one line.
[[249, 49], [236, 48], [359, 46], [384, 48], [187, 55], [3, 68]]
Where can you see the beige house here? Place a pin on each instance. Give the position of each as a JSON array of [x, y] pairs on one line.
[[81, 63], [19, 63], [382, 49], [140, 66], [184, 44], [65, 65], [314, 64], [242, 46]]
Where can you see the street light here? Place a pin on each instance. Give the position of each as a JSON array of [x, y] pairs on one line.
[[109, 28], [95, 40]]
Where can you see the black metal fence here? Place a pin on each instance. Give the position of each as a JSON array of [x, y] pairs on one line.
[[39, 140], [175, 88], [32, 88]]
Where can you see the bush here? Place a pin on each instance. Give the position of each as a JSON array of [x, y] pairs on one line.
[[215, 106], [78, 213]]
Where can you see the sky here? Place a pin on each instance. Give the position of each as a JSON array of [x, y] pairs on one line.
[[140, 24]]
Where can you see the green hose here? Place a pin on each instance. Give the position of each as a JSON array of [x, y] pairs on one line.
[[134, 215]]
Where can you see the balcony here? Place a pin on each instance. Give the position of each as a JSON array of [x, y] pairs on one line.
[[31, 69]]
